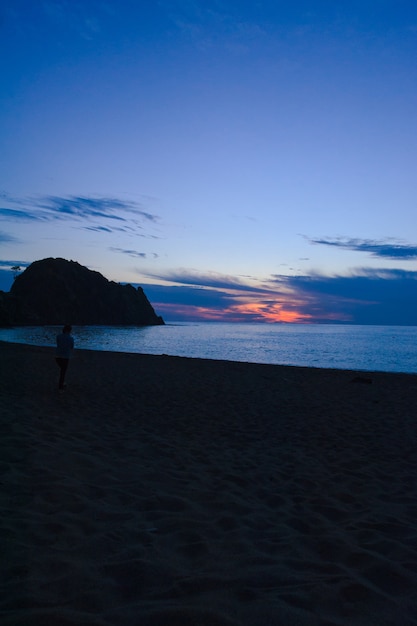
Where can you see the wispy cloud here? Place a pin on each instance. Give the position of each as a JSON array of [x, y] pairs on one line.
[[82, 207], [212, 280], [6, 238], [99, 229], [90, 207], [386, 248], [100, 214], [132, 253], [16, 214], [8, 264], [212, 296], [366, 296]]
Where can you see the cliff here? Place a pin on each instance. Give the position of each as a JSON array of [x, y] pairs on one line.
[[56, 291]]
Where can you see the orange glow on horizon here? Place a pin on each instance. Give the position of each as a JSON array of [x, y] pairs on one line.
[[270, 313], [245, 312]]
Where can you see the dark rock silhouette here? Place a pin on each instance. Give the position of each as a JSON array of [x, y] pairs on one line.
[[6, 309], [56, 291]]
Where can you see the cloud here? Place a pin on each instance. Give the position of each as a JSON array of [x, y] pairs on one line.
[[387, 248], [80, 207], [212, 296], [190, 296], [366, 296], [104, 214], [90, 207], [9, 264], [186, 303], [99, 229], [6, 238], [132, 253], [15, 214], [211, 280]]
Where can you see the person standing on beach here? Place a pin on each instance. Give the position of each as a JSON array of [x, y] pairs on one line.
[[64, 347]]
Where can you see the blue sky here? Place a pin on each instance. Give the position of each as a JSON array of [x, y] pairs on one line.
[[241, 160]]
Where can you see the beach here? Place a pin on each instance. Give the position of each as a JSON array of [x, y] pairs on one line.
[[159, 490]]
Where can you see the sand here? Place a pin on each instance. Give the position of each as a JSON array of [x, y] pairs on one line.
[[161, 490]]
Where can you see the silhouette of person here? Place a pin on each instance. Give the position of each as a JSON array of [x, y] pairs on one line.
[[64, 346]]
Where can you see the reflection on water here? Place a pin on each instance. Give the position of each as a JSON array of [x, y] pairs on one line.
[[383, 348]]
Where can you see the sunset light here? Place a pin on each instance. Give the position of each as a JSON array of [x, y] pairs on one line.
[[240, 161]]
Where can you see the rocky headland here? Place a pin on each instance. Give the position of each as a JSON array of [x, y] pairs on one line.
[[57, 291]]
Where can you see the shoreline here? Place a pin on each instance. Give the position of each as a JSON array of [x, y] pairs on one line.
[[173, 490], [356, 371], [367, 349]]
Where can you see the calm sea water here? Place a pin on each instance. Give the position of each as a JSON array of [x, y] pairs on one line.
[[366, 348]]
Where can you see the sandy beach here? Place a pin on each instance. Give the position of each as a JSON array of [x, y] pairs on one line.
[[160, 490]]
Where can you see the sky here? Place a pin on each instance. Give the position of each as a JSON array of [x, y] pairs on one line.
[[241, 160]]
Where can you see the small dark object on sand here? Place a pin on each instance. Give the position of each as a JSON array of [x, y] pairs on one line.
[[361, 379]]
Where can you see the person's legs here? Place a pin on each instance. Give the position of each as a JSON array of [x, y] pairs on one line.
[[63, 365]]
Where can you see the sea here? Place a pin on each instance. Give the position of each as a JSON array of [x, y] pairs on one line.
[[335, 346]]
